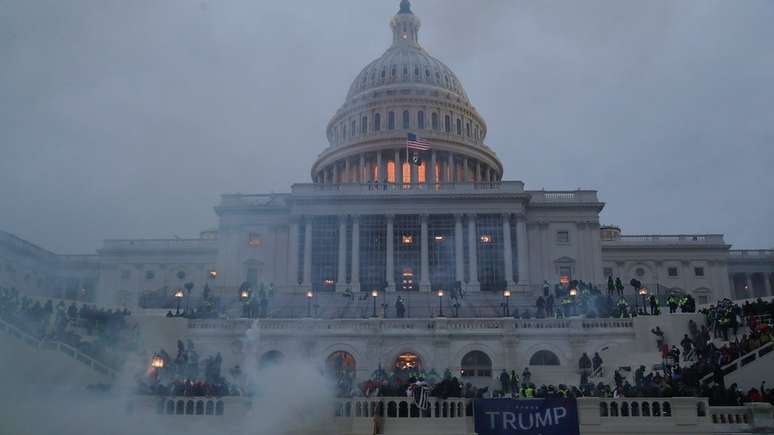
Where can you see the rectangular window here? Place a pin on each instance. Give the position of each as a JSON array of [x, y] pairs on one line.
[[421, 120], [447, 123], [672, 271], [563, 237], [391, 120], [698, 271], [435, 121], [490, 252], [325, 253]]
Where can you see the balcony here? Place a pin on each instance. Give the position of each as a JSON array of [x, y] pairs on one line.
[[513, 187], [666, 240]]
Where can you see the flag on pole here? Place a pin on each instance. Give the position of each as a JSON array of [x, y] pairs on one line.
[[416, 143]]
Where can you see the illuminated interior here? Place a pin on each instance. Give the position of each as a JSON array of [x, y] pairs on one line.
[[408, 361]]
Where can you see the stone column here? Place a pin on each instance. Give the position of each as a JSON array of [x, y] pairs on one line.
[[307, 281], [347, 171], [355, 253], [465, 170], [459, 259], [341, 279], [748, 279], [379, 171], [473, 284], [390, 235], [424, 280], [522, 252], [293, 252], [361, 169], [430, 177], [508, 252], [398, 169], [336, 173], [478, 171]]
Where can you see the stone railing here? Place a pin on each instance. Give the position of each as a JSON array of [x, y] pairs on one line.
[[742, 361], [57, 347], [667, 239], [155, 244], [578, 196], [751, 253], [434, 325], [387, 188]]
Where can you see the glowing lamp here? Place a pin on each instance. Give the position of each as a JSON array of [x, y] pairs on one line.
[[309, 295], [179, 294], [375, 293], [507, 293], [438, 238], [573, 292], [407, 239], [644, 291], [486, 238], [213, 274], [440, 293], [157, 362]]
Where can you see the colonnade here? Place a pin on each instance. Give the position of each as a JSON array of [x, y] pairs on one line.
[[379, 166], [750, 287], [472, 283]]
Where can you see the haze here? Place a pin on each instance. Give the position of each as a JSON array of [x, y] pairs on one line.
[[125, 119]]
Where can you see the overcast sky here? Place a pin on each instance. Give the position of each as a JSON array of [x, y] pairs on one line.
[[128, 119]]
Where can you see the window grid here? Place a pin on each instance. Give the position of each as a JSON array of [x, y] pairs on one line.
[[490, 252], [325, 253], [373, 253], [441, 251], [407, 254]]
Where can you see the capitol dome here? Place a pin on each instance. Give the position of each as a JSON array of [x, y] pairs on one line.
[[406, 91]]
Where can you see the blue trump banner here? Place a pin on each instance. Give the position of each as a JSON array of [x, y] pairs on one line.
[[526, 417]]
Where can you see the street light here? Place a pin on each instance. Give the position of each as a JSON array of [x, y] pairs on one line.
[[644, 294], [573, 292], [179, 295], [507, 304], [374, 295], [440, 303], [309, 296]]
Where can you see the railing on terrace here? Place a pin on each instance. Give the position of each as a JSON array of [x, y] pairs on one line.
[[667, 238], [159, 244], [404, 407], [441, 323], [387, 188], [751, 253], [742, 361], [58, 347], [546, 196]]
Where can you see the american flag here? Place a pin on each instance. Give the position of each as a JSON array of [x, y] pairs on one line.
[[417, 143]]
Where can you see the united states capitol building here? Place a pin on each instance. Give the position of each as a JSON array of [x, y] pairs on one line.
[[372, 222]]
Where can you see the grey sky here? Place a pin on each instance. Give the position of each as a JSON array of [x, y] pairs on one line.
[[122, 119]]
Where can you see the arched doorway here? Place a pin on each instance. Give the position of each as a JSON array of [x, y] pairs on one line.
[[270, 359], [408, 361], [340, 364], [476, 364], [544, 358]]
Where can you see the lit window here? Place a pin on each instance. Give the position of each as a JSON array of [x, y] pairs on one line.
[[672, 271], [486, 238], [563, 236], [565, 274], [698, 271], [390, 172], [407, 239], [421, 173], [254, 240], [406, 173], [408, 361]]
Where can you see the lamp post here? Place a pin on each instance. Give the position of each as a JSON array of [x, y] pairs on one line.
[[644, 294], [309, 296], [507, 303], [374, 295], [573, 295], [440, 303], [179, 295]]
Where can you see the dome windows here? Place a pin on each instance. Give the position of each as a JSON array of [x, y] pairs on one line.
[[391, 120], [459, 127], [364, 125], [406, 120], [447, 123], [435, 121], [377, 122], [421, 119]]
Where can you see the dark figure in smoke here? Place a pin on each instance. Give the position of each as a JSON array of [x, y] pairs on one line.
[[610, 285], [619, 286]]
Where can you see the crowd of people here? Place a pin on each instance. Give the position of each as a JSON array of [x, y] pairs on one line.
[[183, 375], [104, 334]]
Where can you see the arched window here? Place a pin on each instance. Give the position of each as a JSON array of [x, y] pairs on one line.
[[467, 128], [391, 120], [377, 121], [340, 364], [343, 131], [406, 119], [271, 358], [476, 363], [459, 127], [364, 125], [435, 121], [421, 119], [544, 358]]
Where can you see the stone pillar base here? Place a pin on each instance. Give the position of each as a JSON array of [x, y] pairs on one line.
[[391, 287], [424, 287]]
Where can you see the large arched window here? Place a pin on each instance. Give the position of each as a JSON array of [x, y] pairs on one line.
[[435, 121], [377, 121], [391, 120], [459, 127], [544, 358], [271, 358], [340, 364], [406, 119], [447, 123], [476, 363], [364, 125], [421, 119]]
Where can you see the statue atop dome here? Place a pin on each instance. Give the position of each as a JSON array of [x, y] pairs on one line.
[[405, 7]]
